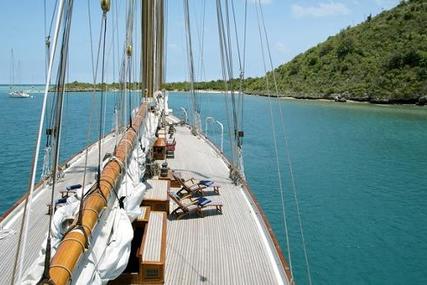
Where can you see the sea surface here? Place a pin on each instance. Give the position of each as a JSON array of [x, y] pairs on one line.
[[360, 173]]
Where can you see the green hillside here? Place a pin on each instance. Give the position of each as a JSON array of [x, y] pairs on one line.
[[382, 59]]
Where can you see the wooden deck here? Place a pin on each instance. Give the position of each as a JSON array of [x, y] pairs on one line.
[[39, 218], [229, 248]]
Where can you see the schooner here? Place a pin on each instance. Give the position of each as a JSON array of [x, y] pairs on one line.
[[153, 201]]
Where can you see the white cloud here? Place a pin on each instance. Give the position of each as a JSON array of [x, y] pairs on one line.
[[281, 47], [320, 10]]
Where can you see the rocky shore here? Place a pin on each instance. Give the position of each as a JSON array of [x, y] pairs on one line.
[[344, 97]]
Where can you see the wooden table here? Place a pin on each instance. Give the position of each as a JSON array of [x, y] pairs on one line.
[[156, 195]]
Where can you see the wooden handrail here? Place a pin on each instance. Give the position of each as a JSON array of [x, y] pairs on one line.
[[72, 246]]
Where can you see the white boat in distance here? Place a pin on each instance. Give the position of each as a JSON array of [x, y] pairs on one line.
[[19, 94], [15, 93]]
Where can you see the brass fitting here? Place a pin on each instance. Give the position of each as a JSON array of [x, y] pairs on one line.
[[105, 5], [129, 50]]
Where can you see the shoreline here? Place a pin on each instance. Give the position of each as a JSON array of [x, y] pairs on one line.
[[338, 99]]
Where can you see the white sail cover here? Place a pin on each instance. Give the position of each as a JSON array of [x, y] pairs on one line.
[[61, 218], [110, 242]]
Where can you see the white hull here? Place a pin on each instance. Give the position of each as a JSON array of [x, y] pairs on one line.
[[19, 94]]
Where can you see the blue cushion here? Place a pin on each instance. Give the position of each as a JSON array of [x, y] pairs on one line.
[[61, 201], [74, 187], [202, 201], [206, 183]]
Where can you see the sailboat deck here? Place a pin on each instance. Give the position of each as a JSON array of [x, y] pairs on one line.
[[39, 219], [228, 248], [232, 247]]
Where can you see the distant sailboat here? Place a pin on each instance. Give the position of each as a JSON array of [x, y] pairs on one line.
[[19, 94], [15, 93]]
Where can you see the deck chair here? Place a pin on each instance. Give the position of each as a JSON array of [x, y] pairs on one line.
[[189, 205], [194, 187]]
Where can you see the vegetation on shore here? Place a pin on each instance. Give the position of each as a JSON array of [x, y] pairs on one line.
[[86, 87], [382, 60]]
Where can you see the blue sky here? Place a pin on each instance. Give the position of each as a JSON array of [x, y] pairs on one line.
[[293, 27]]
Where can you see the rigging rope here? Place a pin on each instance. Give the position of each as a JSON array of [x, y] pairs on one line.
[[129, 58], [242, 58], [23, 232], [101, 117], [226, 52], [114, 28], [125, 72], [57, 130], [200, 32], [276, 150], [291, 172], [190, 62], [239, 104], [229, 54], [93, 103], [221, 36], [129, 53], [46, 159]]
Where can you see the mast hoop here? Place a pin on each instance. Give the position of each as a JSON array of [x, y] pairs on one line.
[[81, 228], [89, 234], [74, 240], [98, 192], [62, 267], [120, 163], [127, 140]]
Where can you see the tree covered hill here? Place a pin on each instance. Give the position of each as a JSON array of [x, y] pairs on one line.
[[383, 59]]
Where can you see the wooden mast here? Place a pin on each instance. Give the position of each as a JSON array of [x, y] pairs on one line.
[[159, 51], [147, 60], [152, 45]]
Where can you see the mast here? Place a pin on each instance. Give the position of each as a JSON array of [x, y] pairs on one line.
[[147, 62], [12, 70], [152, 45], [158, 71]]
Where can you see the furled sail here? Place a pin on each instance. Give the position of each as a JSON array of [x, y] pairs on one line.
[[109, 246]]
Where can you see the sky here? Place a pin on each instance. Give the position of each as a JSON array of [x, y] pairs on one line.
[[293, 27]]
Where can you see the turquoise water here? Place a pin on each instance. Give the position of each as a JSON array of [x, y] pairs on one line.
[[360, 172]]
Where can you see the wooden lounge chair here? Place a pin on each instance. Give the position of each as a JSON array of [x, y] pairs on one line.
[[194, 187], [189, 205]]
